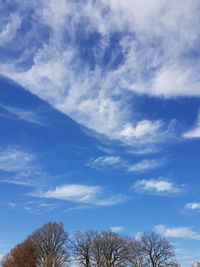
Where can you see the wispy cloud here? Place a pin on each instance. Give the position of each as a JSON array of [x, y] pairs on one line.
[[12, 205], [17, 182], [106, 161], [117, 229], [186, 256], [192, 206], [157, 187], [21, 167], [33, 206], [105, 149], [195, 132], [143, 128], [146, 164], [39, 206], [12, 24], [78, 207], [23, 114], [145, 150], [93, 89], [171, 78], [120, 163], [15, 160], [177, 232], [94, 195]]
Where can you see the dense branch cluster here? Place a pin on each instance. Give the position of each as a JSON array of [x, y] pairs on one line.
[[50, 246]]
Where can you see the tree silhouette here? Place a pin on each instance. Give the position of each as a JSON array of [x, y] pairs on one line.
[[23, 255], [51, 241]]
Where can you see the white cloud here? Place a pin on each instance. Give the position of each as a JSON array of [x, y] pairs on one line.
[[29, 116], [105, 149], [10, 28], [159, 186], [192, 206], [94, 92], [117, 229], [143, 128], [13, 159], [165, 25], [33, 206], [78, 207], [118, 162], [16, 182], [144, 150], [177, 232], [195, 132], [106, 161], [171, 77], [145, 164], [12, 205], [38, 206], [21, 167], [186, 256], [77, 193]]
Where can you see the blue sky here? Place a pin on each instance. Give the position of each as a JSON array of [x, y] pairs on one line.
[[99, 118]]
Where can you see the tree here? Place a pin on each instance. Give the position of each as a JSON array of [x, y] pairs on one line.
[[81, 246], [98, 251], [110, 249], [158, 251], [48, 246], [104, 249], [135, 255], [51, 241], [23, 255]]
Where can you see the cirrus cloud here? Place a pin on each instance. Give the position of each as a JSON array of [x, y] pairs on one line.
[[195, 132], [177, 232], [94, 195], [192, 206], [90, 83], [157, 187], [15, 160]]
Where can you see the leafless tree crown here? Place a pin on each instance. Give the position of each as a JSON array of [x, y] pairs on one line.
[[49, 246], [51, 240]]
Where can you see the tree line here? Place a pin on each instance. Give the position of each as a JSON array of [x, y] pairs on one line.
[[50, 246]]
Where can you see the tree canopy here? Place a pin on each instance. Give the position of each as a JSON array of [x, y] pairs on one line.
[[50, 246]]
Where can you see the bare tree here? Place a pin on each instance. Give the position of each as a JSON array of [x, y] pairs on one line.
[[23, 255], [158, 251], [98, 251], [135, 255], [81, 245], [51, 240], [104, 249], [111, 249], [48, 246]]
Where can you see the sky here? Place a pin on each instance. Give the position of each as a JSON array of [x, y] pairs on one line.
[[100, 118]]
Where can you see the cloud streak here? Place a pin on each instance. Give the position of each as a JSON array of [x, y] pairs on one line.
[[157, 187], [192, 206], [90, 84], [23, 114], [195, 132], [146, 164], [116, 162], [106, 161], [33, 206], [177, 232], [93, 195], [15, 160]]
